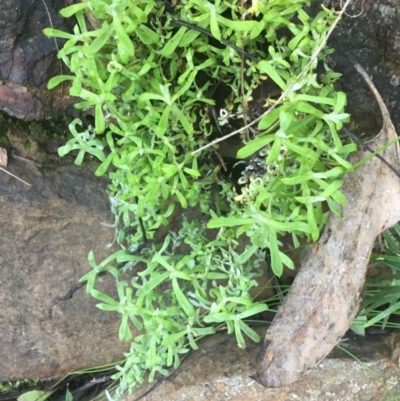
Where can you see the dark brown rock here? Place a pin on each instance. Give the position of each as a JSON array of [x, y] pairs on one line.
[[28, 59], [47, 231], [373, 40]]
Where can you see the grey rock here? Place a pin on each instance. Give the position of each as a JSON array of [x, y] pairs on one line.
[[221, 371], [47, 231]]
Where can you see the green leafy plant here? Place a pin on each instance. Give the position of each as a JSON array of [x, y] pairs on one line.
[[381, 299], [8, 386], [35, 395], [148, 81]]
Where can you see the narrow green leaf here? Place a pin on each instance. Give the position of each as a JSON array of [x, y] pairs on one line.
[[100, 122], [315, 99], [192, 343], [124, 330], [173, 43], [239, 336], [256, 31], [71, 10], [58, 34], [69, 396], [35, 395], [254, 146], [203, 331], [307, 108], [229, 222], [189, 38], [192, 172], [152, 356], [275, 150], [125, 45], [332, 188], [314, 231], [184, 121], [341, 102], [107, 307], [103, 297], [101, 40], [254, 310], [287, 261], [188, 82], [214, 25], [267, 68], [249, 331], [172, 339], [310, 199], [276, 261], [334, 207], [163, 122], [286, 118], [247, 254], [181, 198], [186, 306], [101, 170], [383, 315], [238, 26], [221, 317], [217, 276], [297, 179], [150, 96], [151, 284], [92, 261], [58, 79], [358, 325], [147, 35], [271, 118], [301, 150]]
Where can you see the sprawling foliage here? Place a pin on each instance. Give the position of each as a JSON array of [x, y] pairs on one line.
[[149, 78]]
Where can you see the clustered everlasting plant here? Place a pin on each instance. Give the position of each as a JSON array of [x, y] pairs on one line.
[[149, 70]]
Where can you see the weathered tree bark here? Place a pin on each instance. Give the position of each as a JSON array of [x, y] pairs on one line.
[[324, 297]]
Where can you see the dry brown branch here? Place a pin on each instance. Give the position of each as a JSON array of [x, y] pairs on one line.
[[4, 161], [325, 295], [12, 175]]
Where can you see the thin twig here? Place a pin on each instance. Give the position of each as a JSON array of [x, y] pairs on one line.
[[1, 168], [365, 146], [373, 89], [55, 42], [25, 160], [220, 158], [284, 94], [357, 15], [244, 99], [208, 33]]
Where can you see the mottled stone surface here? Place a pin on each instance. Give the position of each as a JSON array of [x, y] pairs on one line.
[[221, 371], [47, 231]]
